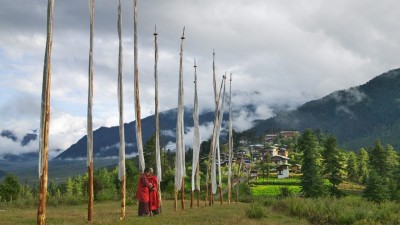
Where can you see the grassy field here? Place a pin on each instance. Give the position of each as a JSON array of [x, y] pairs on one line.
[[108, 213]]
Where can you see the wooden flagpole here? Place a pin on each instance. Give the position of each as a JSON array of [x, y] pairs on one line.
[[138, 122], [157, 122], [45, 118], [89, 118], [208, 178], [198, 183], [121, 165], [230, 144], [180, 172]]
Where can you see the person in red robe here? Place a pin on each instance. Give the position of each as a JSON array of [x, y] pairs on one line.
[[154, 201], [142, 193]]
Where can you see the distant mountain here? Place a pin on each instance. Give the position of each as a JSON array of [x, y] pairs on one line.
[[21, 157], [356, 116], [106, 139]]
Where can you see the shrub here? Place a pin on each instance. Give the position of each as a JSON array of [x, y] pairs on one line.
[[256, 211]]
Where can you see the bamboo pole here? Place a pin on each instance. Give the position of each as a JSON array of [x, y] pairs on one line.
[[45, 118]]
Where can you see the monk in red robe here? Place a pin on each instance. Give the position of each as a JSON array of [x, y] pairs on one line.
[[142, 193], [154, 201]]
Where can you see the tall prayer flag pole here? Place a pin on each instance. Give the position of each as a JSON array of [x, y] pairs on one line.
[[138, 122], [121, 164], [180, 146], [196, 138], [230, 142], [45, 118], [89, 117], [157, 122]]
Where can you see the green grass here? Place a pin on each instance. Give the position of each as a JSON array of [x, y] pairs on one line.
[[272, 190], [108, 213], [276, 181]]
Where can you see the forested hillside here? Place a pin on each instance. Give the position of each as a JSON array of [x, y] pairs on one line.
[[356, 116]]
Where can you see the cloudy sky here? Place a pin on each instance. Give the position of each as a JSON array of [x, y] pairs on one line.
[[281, 54]]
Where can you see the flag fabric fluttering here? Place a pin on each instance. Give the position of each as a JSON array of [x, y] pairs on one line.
[[138, 123], [196, 134], [220, 120], [214, 143], [180, 172]]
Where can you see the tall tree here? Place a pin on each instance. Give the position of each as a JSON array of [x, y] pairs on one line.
[[312, 184], [333, 165], [150, 152], [376, 189], [378, 160], [363, 170], [391, 160], [10, 188], [352, 166]]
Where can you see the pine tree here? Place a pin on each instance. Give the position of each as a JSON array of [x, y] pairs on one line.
[[378, 160], [376, 189], [150, 152], [312, 184], [363, 170], [352, 167], [333, 165]]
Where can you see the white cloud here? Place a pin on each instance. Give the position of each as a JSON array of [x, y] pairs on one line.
[[281, 54]]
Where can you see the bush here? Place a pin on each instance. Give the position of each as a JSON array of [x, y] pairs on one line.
[[256, 211], [285, 192]]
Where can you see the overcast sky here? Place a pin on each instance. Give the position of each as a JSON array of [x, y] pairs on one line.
[[281, 53]]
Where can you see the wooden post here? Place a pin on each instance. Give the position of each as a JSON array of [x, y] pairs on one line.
[[176, 199], [191, 199], [91, 194], [123, 198], [183, 193], [45, 118], [220, 195], [198, 198]]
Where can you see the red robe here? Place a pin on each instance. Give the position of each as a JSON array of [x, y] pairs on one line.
[[154, 201], [142, 192]]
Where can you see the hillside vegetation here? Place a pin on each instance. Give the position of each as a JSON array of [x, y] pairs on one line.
[[356, 116]]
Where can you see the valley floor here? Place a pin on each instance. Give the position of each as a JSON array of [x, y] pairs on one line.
[[108, 213]]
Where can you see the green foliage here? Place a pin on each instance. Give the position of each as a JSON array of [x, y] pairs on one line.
[[333, 165], [255, 211], [10, 188], [348, 210], [363, 169], [273, 190], [311, 182], [376, 189], [352, 167]]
